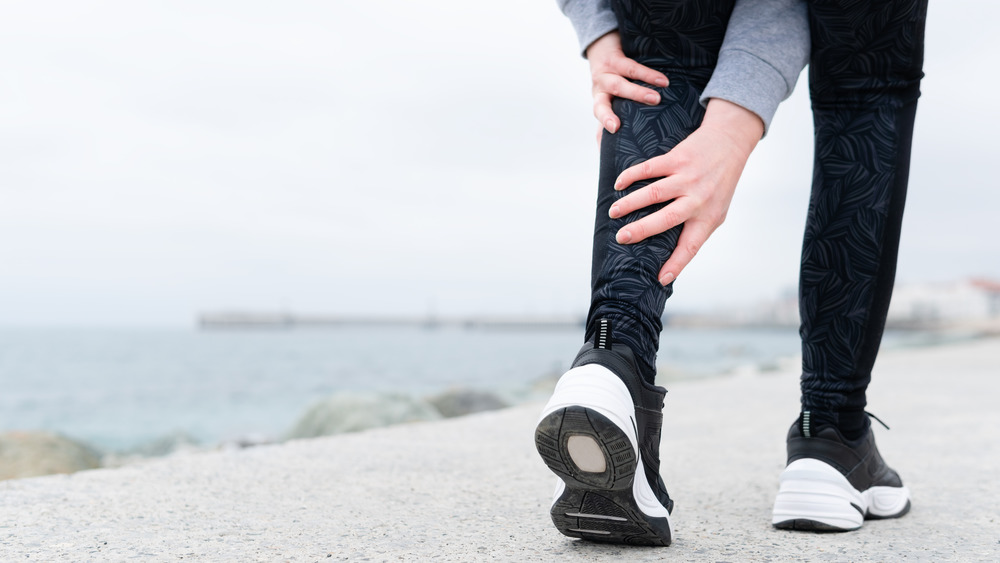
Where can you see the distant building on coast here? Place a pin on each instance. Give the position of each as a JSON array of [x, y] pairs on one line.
[[970, 304]]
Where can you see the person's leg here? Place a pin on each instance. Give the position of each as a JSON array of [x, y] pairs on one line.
[[600, 431], [864, 81], [683, 44], [624, 286]]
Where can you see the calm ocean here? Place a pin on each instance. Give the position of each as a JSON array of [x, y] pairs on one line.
[[118, 389]]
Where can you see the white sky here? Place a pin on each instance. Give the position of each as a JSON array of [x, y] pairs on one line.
[[158, 159]]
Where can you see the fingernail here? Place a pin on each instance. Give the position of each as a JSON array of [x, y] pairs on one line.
[[662, 82], [614, 212], [610, 126], [618, 184], [652, 99], [623, 237], [667, 278]]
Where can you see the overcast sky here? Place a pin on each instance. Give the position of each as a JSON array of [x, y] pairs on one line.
[[159, 159]]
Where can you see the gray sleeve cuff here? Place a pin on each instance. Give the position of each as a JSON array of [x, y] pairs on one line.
[[590, 18], [748, 81]]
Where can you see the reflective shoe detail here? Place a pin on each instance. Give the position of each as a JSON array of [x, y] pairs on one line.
[[588, 437], [831, 484]]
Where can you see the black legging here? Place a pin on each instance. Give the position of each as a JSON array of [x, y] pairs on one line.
[[864, 80]]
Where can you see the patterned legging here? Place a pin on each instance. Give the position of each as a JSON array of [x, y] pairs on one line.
[[864, 78]]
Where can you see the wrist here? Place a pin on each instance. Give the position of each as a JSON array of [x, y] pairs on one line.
[[743, 126], [608, 41]]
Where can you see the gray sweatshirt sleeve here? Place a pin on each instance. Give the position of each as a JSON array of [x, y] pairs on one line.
[[590, 18], [765, 48]]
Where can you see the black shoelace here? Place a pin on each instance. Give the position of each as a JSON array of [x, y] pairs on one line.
[[878, 419]]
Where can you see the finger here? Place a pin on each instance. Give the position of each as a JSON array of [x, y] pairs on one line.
[[603, 112], [658, 192], [637, 71], [693, 236], [656, 167], [655, 223], [617, 86]]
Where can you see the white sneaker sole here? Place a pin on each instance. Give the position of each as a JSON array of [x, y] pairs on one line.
[[587, 437], [815, 496]]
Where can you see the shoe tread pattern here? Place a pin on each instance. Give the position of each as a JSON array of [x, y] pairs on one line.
[[551, 439], [596, 506]]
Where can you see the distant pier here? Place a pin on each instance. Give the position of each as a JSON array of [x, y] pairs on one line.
[[248, 320], [970, 306]]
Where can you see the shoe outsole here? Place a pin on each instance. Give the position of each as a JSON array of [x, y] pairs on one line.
[[599, 504], [905, 510], [816, 497], [806, 525]]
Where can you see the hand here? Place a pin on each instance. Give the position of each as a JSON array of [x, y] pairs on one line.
[[699, 175], [609, 71]]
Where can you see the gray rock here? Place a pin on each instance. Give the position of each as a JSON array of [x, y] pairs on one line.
[[352, 412], [246, 441], [166, 445], [34, 453], [460, 402]]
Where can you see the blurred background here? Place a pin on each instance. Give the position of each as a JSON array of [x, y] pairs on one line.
[[419, 179]]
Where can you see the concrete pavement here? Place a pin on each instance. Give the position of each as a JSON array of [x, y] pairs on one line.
[[473, 489]]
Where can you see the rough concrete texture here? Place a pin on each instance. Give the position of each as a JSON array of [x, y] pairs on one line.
[[472, 488]]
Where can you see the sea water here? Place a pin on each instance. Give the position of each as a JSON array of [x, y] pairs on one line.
[[117, 389]]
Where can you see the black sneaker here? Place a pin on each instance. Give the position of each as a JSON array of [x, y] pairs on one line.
[[601, 424], [832, 484]]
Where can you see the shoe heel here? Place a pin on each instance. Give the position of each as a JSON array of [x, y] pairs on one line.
[[587, 436], [586, 450], [815, 496]]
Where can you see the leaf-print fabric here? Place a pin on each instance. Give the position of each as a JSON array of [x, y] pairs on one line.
[[681, 39], [864, 80]]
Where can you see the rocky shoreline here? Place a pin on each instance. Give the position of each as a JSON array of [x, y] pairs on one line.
[[34, 453]]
